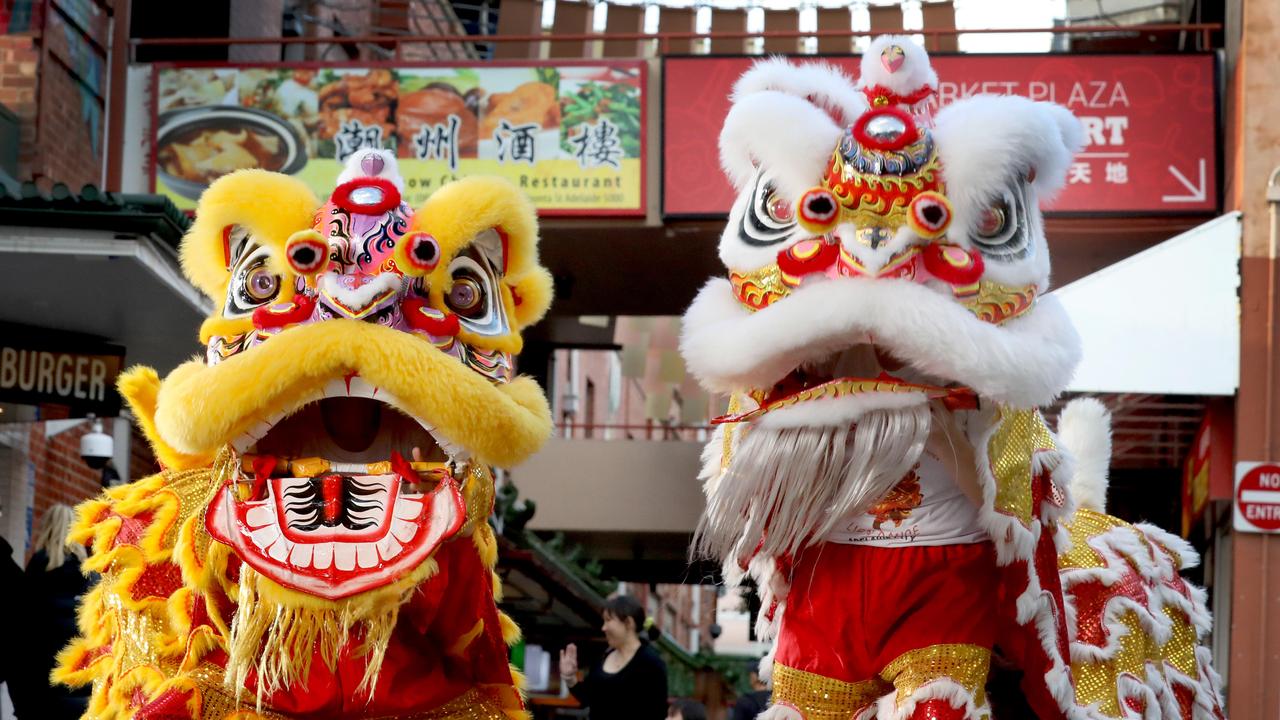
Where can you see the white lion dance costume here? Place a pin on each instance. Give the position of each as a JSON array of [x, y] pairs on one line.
[[317, 545], [883, 472]]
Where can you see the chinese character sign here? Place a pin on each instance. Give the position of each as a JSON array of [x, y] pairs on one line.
[[569, 135]]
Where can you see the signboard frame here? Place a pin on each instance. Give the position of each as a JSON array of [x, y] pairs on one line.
[[1218, 130], [643, 76], [47, 342]]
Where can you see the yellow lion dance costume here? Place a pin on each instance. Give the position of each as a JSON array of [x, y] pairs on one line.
[[317, 544]]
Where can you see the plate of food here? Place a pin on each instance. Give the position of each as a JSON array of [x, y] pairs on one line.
[[196, 146]]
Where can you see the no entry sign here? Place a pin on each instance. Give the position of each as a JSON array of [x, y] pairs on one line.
[[1257, 498]]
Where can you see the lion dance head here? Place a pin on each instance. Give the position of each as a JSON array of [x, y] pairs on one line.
[[318, 540]]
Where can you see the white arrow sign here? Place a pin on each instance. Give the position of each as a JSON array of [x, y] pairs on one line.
[[1199, 191]]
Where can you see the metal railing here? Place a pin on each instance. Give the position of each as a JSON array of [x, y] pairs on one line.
[[664, 40], [650, 430]]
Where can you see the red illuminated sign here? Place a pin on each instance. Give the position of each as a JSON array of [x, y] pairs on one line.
[[1150, 123]]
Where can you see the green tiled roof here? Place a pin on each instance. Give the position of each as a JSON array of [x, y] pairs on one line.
[[94, 209]]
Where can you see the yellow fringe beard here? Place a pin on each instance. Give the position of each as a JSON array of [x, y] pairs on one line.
[[278, 638]]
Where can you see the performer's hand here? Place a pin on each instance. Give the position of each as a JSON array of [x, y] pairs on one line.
[[569, 662], [417, 454]]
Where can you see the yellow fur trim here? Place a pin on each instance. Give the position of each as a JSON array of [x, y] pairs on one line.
[[138, 386], [456, 213], [277, 631], [135, 688], [77, 665], [226, 327], [510, 630], [269, 205], [501, 424], [497, 587]]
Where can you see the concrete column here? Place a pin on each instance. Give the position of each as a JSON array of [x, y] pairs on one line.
[[518, 17], [625, 19], [835, 19], [885, 19], [1253, 693], [781, 21], [672, 19], [940, 16], [729, 21], [254, 19], [572, 18]]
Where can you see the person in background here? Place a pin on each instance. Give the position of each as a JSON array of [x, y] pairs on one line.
[[751, 704], [630, 683], [685, 709], [11, 579], [54, 584]]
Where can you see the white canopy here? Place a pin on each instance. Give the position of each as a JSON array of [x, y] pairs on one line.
[[1164, 321]]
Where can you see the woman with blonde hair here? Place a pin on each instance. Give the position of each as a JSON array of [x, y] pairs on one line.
[[54, 584]]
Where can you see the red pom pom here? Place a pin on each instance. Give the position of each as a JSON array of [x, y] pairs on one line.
[[422, 316], [421, 252], [953, 264], [808, 256], [818, 211]]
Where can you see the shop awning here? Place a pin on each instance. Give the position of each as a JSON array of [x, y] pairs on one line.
[[1164, 321], [100, 264]]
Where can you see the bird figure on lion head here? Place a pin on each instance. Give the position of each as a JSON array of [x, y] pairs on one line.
[[883, 474], [317, 544]]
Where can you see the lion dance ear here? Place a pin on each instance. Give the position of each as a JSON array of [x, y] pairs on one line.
[[462, 213], [269, 206], [139, 386]]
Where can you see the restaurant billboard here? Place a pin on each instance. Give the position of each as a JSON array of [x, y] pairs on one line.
[[569, 134]]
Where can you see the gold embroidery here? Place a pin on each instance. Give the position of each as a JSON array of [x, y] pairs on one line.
[[966, 665], [824, 698], [1021, 434], [897, 505]]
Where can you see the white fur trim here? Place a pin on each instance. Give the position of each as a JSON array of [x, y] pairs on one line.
[[1084, 428], [1024, 363], [824, 85], [986, 140], [955, 694], [840, 411], [916, 71], [790, 137], [390, 168]]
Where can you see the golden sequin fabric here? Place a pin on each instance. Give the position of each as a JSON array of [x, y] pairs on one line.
[[965, 665], [219, 703], [1118, 578], [824, 698], [1021, 434]]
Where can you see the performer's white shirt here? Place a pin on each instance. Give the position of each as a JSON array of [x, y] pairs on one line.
[[939, 513]]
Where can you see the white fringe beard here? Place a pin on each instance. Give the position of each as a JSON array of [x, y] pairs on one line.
[[786, 488]]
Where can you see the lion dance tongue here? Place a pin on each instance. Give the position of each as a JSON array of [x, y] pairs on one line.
[[883, 475], [317, 544]]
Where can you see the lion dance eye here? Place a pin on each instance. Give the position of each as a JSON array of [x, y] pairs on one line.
[[466, 297], [422, 251], [261, 285], [929, 215], [307, 252], [994, 221], [818, 211], [780, 210]]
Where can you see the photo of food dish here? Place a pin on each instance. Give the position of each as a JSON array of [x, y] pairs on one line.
[[195, 147]]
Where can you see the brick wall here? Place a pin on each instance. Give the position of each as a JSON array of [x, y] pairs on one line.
[[19, 60], [62, 477], [53, 78]]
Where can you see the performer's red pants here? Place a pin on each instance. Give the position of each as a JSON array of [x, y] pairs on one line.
[[860, 622]]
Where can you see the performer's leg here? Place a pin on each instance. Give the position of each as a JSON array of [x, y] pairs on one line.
[[935, 640], [822, 670]]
